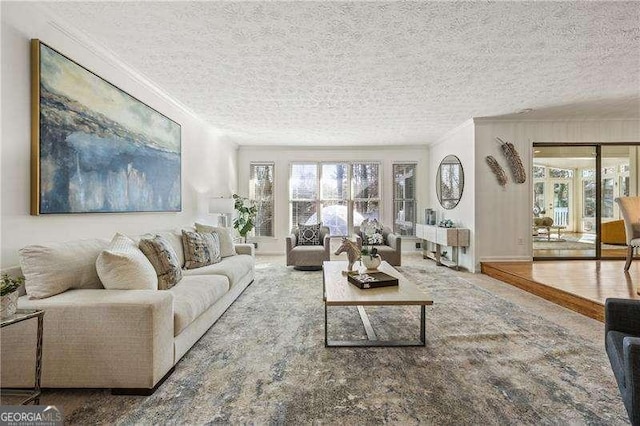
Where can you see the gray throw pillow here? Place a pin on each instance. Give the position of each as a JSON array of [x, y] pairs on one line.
[[200, 249], [309, 235], [224, 234], [164, 260]]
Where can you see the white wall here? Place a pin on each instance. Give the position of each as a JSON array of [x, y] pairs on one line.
[[284, 156], [503, 217], [458, 142], [208, 158]]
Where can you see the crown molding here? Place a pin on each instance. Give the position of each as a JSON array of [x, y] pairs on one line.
[[105, 54]]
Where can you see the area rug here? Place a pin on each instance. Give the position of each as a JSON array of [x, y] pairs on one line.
[[264, 362]]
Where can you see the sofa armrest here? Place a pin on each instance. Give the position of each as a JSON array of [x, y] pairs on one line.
[[394, 241], [249, 249], [622, 315], [94, 339], [327, 247], [291, 241]]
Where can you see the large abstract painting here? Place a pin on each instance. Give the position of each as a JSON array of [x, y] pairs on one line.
[[95, 148]]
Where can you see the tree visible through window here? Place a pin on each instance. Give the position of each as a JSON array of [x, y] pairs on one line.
[[340, 195], [261, 190], [404, 194]]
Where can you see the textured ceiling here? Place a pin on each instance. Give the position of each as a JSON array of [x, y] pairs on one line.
[[329, 73]]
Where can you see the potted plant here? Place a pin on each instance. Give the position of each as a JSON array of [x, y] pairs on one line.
[[247, 211], [9, 294], [370, 257]]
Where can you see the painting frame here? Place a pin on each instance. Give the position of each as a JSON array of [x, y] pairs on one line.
[[96, 148]]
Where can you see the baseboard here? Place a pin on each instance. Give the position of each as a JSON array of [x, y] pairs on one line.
[[141, 391]]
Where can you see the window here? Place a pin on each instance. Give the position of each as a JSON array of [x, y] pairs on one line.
[[539, 172], [366, 191], [340, 195], [560, 173], [404, 199], [303, 192], [334, 196], [261, 190]]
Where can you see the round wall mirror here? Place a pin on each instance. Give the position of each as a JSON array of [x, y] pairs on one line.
[[450, 182]]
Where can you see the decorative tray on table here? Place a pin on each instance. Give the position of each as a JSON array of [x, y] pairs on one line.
[[371, 279]]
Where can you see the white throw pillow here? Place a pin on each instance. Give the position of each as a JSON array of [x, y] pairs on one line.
[[123, 266], [224, 235], [50, 269]]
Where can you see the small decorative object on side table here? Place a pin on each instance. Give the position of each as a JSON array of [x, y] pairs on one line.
[[33, 395]]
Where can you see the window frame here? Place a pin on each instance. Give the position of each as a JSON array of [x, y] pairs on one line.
[[396, 200], [252, 194], [349, 200]]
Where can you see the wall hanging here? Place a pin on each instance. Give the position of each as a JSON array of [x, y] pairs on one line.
[[497, 170], [95, 148], [513, 159]]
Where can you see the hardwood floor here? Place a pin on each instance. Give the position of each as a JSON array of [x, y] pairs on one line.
[[580, 285]]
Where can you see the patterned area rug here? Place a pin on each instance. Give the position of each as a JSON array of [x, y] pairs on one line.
[[486, 362]]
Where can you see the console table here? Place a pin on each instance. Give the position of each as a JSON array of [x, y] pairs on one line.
[[447, 237], [33, 395]]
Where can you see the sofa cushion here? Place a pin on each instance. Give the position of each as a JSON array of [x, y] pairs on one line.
[[51, 269], [224, 235], [200, 249], [193, 296], [309, 235], [123, 266], [163, 259], [234, 268]]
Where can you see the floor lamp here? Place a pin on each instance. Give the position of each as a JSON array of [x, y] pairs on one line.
[[224, 207]]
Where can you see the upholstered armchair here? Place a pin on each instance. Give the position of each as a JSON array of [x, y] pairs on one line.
[[308, 257], [630, 209], [389, 250], [622, 343]]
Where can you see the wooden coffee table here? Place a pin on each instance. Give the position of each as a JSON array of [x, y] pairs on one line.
[[338, 292]]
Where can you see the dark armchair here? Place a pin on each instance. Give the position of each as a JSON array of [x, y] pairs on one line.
[[305, 257], [622, 343]]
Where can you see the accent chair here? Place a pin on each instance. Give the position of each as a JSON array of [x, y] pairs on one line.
[[308, 257], [630, 209], [389, 250]]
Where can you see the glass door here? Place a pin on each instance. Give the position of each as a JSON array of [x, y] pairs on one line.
[[563, 223], [617, 180]]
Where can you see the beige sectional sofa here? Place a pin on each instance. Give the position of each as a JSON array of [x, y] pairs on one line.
[[127, 340]]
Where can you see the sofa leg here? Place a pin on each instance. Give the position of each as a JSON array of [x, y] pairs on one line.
[[141, 391]]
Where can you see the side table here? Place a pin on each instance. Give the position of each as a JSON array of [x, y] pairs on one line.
[[33, 395]]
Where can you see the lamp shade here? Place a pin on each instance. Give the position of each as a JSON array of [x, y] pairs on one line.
[[221, 205]]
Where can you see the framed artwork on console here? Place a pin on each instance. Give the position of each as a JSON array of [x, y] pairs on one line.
[[94, 147]]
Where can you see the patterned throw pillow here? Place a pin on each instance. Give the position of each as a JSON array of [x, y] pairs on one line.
[[224, 234], [200, 249], [309, 235], [164, 260], [371, 232]]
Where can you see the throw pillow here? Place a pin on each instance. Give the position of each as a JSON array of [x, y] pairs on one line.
[[371, 232], [51, 269], [123, 266], [224, 235], [200, 249], [164, 260], [309, 235]]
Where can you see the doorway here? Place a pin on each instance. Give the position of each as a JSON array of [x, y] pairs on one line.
[[574, 188]]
